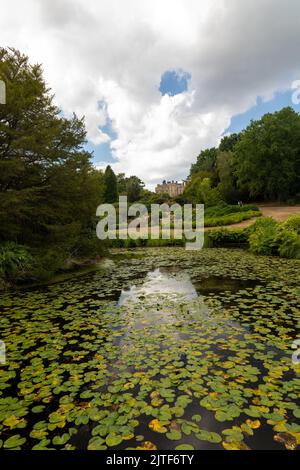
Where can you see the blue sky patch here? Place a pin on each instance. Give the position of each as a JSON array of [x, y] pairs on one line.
[[280, 100], [174, 82]]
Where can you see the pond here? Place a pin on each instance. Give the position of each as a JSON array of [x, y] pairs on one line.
[[157, 349]]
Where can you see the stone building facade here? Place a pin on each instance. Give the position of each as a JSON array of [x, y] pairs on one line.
[[172, 188]]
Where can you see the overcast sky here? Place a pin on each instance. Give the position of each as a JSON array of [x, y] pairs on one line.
[[158, 80]]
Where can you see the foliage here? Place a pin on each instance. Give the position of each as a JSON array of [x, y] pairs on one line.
[[224, 237], [206, 161], [268, 237], [288, 238], [289, 246], [227, 180], [267, 157], [13, 259], [230, 219], [292, 223], [262, 238], [132, 186], [229, 142], [140, 242], [228, 209], [199, 190], [111, 186], [262, 162], [49, 189]]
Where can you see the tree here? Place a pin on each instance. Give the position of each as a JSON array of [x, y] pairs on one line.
[[228, 184], [134, 188], [199, 190], [206, 161], [228, 142], [111, 186], [267, 158], [121, 181], [49, 189]]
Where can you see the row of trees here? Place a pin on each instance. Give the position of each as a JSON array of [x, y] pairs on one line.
[[260, 163]]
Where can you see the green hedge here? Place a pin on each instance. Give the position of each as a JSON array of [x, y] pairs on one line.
[[225, 237], [227, 209], [230, 219]]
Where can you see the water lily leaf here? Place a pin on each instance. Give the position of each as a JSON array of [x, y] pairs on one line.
[[113, 440], [235, 445], [196, 418], [184, 447], [61, 440], [14, 442], [13, 422], [38, 409], [253, 424], [296, 412], [96, 443], [156, 426], [174, 435], [42, 445]]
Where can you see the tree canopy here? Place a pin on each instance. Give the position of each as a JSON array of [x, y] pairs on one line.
[[49, 189], [260, 163]]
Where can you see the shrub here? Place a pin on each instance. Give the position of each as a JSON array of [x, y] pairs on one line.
[[292, 223], [289, 244], [263, 237], [48, 263], [226, 209], [14, 259], [230, 219], [223, 237], [88, 245], [288, 238]]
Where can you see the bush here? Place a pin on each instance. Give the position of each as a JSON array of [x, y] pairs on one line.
[[292, 223], [47, 264], [224, 237], [263, 237], [14, 259], [88, 245], [230, 219], [289, 244], [288, 238], [143, 242], [226, 209]]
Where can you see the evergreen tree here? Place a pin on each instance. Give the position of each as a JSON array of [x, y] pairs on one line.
[[49, 190], [111, 186]]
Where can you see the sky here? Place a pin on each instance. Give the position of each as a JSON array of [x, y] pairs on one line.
[[158, 81]]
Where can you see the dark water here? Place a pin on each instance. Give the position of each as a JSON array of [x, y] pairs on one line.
[[148, 338]]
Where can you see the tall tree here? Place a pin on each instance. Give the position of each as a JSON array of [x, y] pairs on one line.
[[111, 186], [48, 188], [267, 158], [228, 184], [134, 188], [206, 162]]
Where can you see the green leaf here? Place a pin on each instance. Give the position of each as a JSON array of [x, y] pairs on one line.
[[14, 441]]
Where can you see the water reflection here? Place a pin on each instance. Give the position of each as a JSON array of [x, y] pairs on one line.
[[159, 283]]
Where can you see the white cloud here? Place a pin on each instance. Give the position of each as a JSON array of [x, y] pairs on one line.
[[116, 51]]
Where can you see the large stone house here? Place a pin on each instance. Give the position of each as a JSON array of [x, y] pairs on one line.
[[172, 188]]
